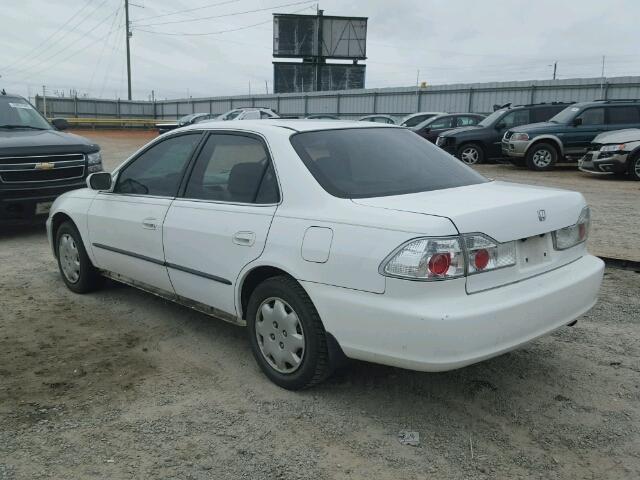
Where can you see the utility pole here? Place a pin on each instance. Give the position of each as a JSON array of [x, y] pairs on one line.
[[128, 36], [555, 68], [602, 78], [44, 100]]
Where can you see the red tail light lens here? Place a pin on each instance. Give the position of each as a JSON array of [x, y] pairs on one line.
[[481, 259], [439, 263]]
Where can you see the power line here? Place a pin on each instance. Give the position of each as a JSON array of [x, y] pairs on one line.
[[50, 59], [66, 33], [34, 49], [228, 14], [104, 45], [183, 34], [177, 12]]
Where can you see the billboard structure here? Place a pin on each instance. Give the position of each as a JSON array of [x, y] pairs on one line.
[[314, 39]]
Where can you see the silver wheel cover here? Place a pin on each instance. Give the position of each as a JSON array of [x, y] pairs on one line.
[[69, 258], [280, 335], [542, 158], [470, 155]]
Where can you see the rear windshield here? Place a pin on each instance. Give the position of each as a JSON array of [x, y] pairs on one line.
[[377, 162]]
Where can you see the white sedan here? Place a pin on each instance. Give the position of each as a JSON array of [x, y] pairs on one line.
[[330, 240]]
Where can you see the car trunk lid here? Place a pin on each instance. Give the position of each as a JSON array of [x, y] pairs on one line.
[[505, 212]]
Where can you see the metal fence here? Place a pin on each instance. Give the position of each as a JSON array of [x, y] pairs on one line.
[[477, 97]]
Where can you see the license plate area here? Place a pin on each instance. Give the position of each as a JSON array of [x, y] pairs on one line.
[[42, 208], [534, 251]]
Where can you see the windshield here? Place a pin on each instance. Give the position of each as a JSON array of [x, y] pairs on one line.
[[415, 120], [231, 115], [16, 112], [186, 118], [488, 121], [376, 162], [565, 116]]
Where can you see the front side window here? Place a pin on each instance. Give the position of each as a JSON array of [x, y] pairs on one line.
[[376, 162], [159, 169], [515, 119], [592, 116], [233, 168]]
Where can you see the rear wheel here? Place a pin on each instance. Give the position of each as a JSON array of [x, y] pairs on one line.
[[541, 157], [286, 334], [634, 168], [78, 274], [471, 153]]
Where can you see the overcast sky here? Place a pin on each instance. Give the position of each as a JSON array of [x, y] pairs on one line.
[[79, 44]]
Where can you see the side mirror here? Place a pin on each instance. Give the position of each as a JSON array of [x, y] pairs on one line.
[[426, 129], [577, 122], [60, 123], [99, 181], [500, 126]]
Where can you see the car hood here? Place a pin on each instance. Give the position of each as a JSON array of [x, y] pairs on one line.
[[505, 211], [462, 130], [619, 136], [33, 142]]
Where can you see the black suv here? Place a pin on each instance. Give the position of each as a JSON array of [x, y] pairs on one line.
[[37, 161], [568, 135], [479, 143]]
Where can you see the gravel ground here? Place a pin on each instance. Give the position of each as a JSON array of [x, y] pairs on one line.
[[122, 384]]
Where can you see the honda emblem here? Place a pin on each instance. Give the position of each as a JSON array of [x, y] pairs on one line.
[[542, 215]]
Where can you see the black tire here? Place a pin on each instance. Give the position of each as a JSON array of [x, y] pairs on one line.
[[634, 167], [541, 157], [314, 366], [471, 153], [88, 278]]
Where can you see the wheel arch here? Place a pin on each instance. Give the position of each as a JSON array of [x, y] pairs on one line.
[[551, 139], [250, 279], [58, 219]]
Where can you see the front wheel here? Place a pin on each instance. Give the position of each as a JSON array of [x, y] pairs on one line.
[[286, 334], [542, 157], [78, 274], [634, 168], [471, 154]]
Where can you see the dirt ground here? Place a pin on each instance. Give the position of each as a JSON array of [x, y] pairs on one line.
[[121, 384]]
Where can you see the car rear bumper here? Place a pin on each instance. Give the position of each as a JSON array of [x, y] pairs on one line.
[[593, 163], [451, 329]]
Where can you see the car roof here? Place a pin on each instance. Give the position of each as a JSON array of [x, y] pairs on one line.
[[282, 125]]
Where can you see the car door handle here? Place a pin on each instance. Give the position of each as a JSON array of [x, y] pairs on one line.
[[246, 239], [150, 223]]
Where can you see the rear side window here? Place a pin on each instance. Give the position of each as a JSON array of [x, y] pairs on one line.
[[446, 122], [158, 170], [376, 162], [464, 121], [622, 115], [543, 114], [233, 168]]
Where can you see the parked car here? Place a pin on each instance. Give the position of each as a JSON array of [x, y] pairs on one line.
[[333, 238], [248, 113], [38, 161], [322, 116], [184, 121], [568, 135], [433, 127], [387, 119], [419, 117], [477, 144], [614, 153]]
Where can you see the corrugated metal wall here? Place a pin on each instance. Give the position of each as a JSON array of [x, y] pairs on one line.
[[476, 97]]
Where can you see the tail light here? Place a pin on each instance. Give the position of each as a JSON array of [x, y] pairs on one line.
[[575, 234], [442, 258]]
